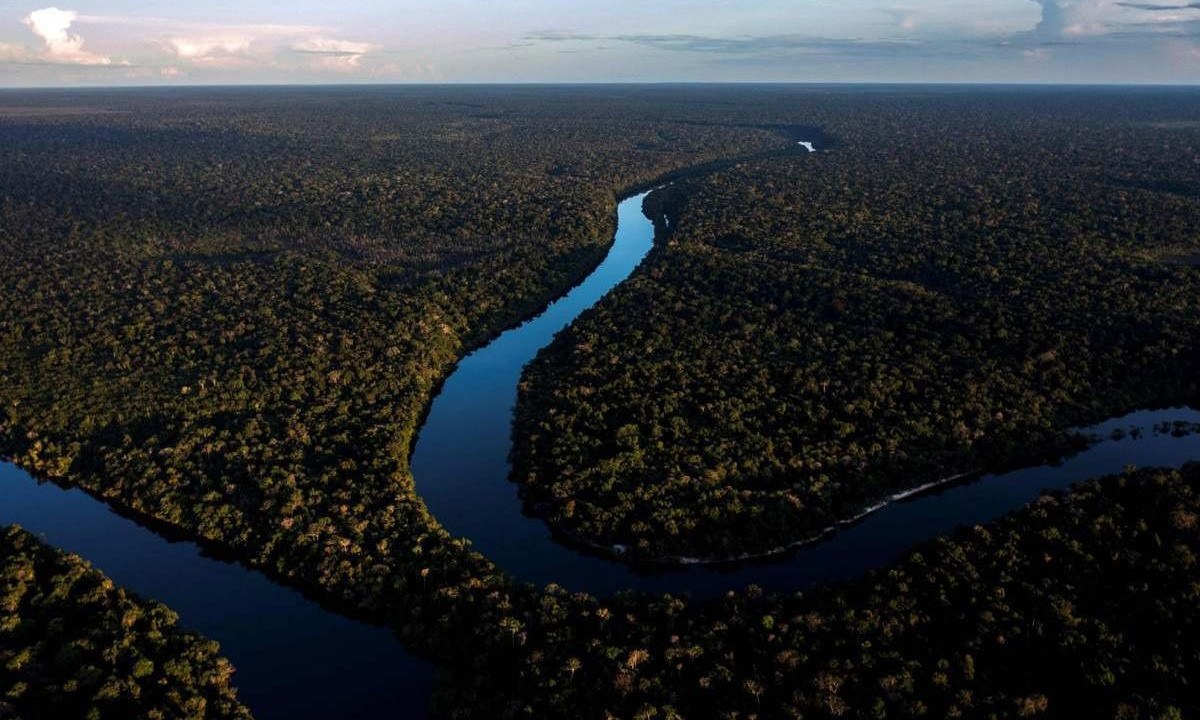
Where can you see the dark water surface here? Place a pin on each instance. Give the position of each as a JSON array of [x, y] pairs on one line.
[[297, 660], [294, 659], [461, 467]]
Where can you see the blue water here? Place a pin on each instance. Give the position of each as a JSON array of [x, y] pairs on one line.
[[297, 660], [294, 660], [460, 461], [461, 467]]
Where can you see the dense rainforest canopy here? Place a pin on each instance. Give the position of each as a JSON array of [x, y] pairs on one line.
[[73, 645], [227, 309], [1082, 605], [947, 289]]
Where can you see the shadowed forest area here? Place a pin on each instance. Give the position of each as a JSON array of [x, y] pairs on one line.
[[73, 645], [953, 285], [227, 310]]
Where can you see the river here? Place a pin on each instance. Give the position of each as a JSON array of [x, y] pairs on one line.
[[297, 660], [461, 467], [294, 659]]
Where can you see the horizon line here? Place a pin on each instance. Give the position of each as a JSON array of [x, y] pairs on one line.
[[611, 83]]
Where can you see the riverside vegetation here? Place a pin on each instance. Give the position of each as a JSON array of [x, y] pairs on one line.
[[951, 287], [226, 310], [73, 645]]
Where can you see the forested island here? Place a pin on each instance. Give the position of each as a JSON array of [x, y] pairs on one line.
[[74, 645], [227, 310]]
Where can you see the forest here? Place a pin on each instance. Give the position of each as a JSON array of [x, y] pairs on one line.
[[219, 309], [946, 290], [74, 645], [226, 310], [1084, 604]]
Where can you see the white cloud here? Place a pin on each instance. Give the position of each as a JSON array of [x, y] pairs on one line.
[[329, 54], [333, 47], [904, 18], [174, 46], [10, 53], [1076, 19], [241, 46], [62, 46], [1087, 17], [210, 45]]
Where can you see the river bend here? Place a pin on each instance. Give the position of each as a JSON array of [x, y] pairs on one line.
[[296, 659]]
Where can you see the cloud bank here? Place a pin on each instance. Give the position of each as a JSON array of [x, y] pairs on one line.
[[60, 46], [334, 54], [874, 40], [174, 49]]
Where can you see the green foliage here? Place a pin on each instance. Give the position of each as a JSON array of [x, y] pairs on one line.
[[1083, 604], [957, 282], [227, 309], [73, 645]]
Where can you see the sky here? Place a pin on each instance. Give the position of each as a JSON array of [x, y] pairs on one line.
[[160, 42]]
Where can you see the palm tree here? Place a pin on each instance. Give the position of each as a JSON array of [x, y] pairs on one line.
[[573, 666]]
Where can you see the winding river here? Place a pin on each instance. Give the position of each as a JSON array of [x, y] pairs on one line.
[[296, 659], [461, 467]]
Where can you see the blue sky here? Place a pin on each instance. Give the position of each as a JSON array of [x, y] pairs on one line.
[[107, 42]]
